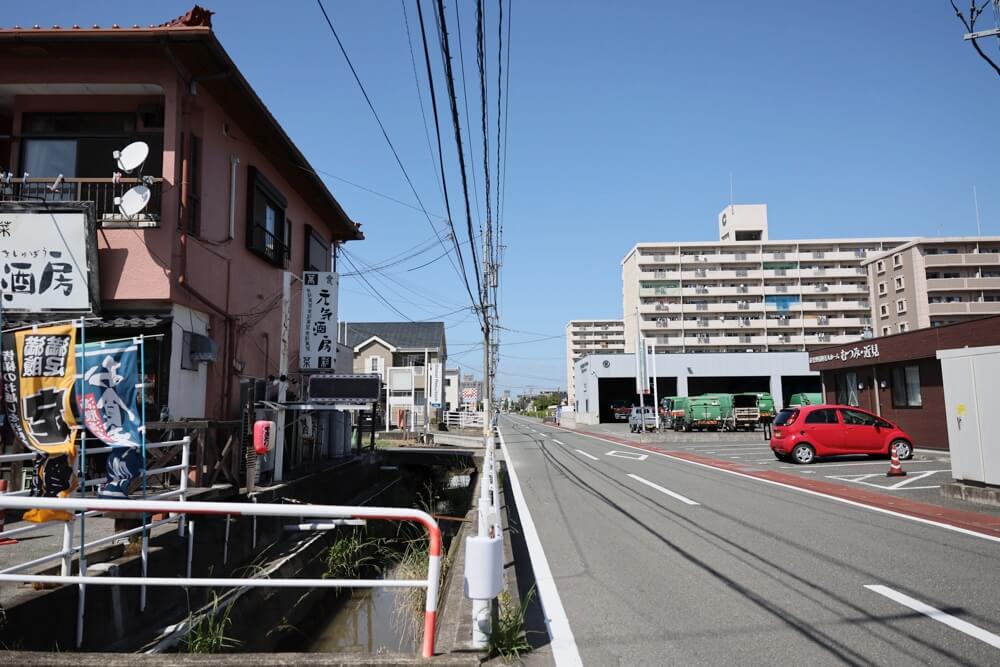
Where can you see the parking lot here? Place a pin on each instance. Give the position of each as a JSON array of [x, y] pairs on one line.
[[926, 471]]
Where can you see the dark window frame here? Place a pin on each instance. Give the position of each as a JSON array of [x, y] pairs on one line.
[[901, 397], [193, 209], [311, 236], [276, 249]]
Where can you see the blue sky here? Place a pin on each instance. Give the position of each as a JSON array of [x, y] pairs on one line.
[[849, 118]]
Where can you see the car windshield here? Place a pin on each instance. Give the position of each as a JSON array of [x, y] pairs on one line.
[[785, 416]]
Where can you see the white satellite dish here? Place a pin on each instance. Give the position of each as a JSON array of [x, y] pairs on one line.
[[132, 156], [133, 201]]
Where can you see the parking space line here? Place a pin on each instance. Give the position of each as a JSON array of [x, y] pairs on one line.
[[864, 463], [589, 456], [672, 494], [964, 627], [559, 442]]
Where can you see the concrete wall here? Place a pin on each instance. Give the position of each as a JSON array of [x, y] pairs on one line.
[[774, 365]]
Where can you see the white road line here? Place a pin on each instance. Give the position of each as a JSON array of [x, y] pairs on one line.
[[810, 492], [864, 463], [560, 442], [735, 457], [592, 458], [941, 617], [564, 650], [672, 494]]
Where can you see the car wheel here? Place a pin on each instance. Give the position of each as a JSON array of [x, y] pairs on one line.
[[803, 454], [903, 449]]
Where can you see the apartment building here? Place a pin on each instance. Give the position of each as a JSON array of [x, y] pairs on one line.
[[585, 337], [746, 292], [930, 282]]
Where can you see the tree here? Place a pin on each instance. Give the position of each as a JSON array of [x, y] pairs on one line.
[[970, 25]]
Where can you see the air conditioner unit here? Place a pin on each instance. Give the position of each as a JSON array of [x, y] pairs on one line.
[[198, 348]]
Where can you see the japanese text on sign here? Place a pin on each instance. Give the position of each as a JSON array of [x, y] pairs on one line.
[[43, 262], [869, 351], [318, 335]]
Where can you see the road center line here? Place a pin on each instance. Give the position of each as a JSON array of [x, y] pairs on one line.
[[564, 650], [672, 494], [592, 458], [799, 489], [941, 617]]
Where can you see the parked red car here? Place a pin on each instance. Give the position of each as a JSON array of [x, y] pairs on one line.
[[805, 432]]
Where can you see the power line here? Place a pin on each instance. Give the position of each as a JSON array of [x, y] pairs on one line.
[[385, 134], [373, 291], [444, 181], [465, 102], [321, 173]]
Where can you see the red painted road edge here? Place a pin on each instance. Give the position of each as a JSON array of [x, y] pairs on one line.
[[980, 523]]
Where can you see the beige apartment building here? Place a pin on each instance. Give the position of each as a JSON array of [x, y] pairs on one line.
[[929, 282], [746, 292], [585, 337]]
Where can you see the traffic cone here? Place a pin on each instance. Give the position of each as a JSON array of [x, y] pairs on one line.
[[895, 469], [3, 515]]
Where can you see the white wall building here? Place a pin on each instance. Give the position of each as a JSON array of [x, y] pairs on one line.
[[747, 293], [585, 337]]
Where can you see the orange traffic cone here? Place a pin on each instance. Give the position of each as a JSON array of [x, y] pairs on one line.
[[3, 515], [895, 469]]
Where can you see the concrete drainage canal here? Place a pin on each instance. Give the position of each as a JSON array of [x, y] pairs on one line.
[[379, 621]]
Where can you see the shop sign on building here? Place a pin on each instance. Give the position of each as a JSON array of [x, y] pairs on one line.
[[48, 258], [434, 372], [869, 351], [318, 330]]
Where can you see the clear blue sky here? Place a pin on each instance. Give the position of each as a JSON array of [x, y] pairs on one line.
[[847, 118]]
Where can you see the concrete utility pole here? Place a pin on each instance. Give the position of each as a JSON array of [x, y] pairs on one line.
[[286, 317]]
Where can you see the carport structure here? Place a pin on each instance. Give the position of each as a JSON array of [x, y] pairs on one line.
[[604, 378]]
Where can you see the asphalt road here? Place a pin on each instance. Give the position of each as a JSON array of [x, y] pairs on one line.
[[658, 561]]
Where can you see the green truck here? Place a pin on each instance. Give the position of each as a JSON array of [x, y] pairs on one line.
[[705, 412], [765, 403], [805, 398], [672, 410]]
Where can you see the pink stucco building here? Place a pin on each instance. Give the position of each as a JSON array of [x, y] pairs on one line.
[[234, 202]]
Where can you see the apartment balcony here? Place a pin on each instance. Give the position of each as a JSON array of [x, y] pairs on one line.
[[659, 308], [965, 308], [726, 307], [963, 259], [971, 283], [785, 339], [659, 291], [658, 258], [715, 324], [725, 340], [834, 288], [721, 274], [659, 275], [835, 305], [829, 339], [839, 272], [783, 273], [101, 191], [740, 292]]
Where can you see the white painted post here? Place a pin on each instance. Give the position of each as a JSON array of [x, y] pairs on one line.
[[67, 548], [145, 569], [190, 554], [185, 464], [286, 316]]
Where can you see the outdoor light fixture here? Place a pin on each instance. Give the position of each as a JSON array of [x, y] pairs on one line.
[[861, 385], [883, 384]]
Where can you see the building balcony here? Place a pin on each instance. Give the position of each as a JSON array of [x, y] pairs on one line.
[[783, 273], [839, 272], [721, 274], [737, 291], [659, 291], [964, 308], [659, 275], [963, 259], [785, 339], [971, 283], [101, 191], [834, 288], [654, 308]]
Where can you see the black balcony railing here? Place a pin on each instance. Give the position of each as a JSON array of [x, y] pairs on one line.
[[267, 245], [101, 191]]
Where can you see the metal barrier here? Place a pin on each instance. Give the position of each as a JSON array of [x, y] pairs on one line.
[[296, 511], [484, 552], [463, 419]]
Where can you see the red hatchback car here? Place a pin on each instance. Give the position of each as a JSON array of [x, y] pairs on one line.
[[804, 432]]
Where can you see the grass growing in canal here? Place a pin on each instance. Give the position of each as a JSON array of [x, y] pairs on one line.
[[207, 632], [508, 638], [355, 552]]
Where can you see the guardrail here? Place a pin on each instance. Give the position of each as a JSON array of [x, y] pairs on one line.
[[67, 551], [484, 552], [297, 511], [463, 419]]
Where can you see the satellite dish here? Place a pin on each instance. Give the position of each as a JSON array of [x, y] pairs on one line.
[[133, 201], [132, 156]]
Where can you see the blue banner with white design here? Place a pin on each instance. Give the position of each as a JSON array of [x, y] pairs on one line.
[[107, 388]]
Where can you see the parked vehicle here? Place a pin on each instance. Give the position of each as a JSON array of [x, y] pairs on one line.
[[678, 411], [746, 413], [621, 410], [803, 433], [805, 398], [765, 404], [642, 419], [704, 412]]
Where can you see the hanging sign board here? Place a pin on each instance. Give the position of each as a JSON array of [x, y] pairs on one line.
[[434, 372], [318, 326], [48, 258], [357, 388]]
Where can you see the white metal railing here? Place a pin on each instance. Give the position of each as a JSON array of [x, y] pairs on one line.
[[484, 552], [66, 552], [463, 419], [329, 513]]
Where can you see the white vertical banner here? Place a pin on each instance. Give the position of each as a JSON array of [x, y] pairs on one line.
[[318, 325], [434, 372]]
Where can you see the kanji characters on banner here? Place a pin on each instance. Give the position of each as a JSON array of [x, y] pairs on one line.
[[39, 372], [108, 405]]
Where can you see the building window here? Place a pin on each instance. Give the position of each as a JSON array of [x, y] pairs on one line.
[[906, 387], [317, 250], [880, 266], [903, 327], [883, 310], [901, 306], [193, 210], [897, 261], [847, 388], [899, 283], [375, 365], [881, 289], [268, 234], [885, 331]]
